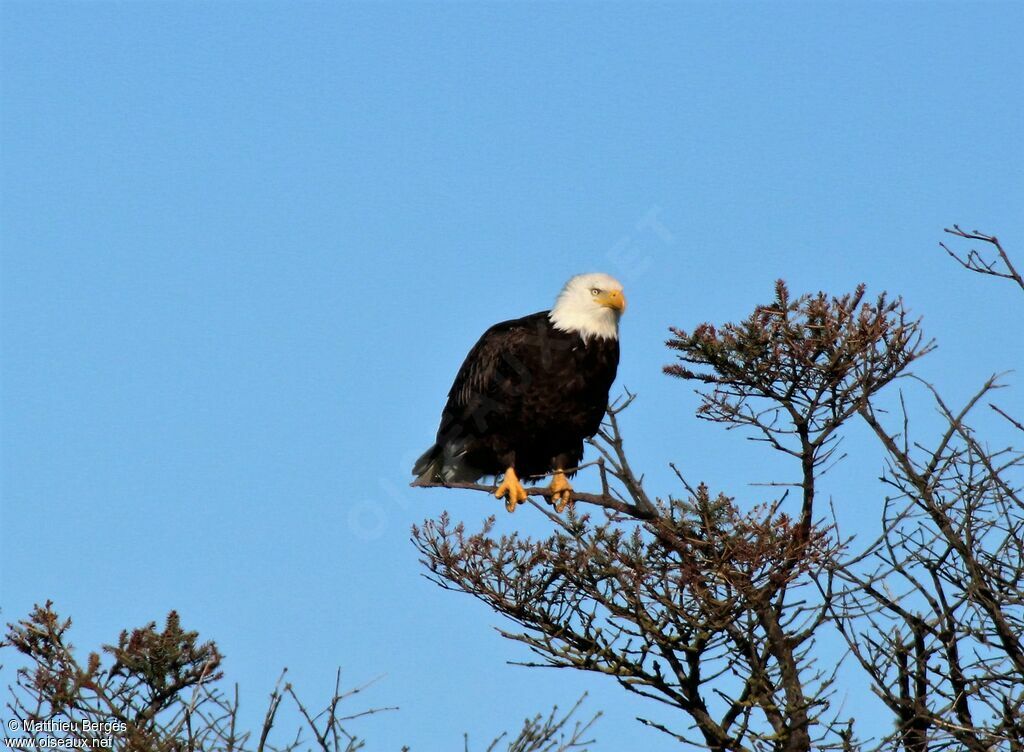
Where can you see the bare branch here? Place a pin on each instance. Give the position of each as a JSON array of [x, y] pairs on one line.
[[976, 261]]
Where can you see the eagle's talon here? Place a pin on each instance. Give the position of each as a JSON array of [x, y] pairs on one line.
[[512, 490], [561, 492], [561, 500]]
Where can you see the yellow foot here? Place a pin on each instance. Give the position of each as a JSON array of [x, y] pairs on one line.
[[561, 492], [512, 490]]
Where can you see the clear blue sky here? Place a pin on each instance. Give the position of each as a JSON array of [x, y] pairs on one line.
[[246, 246]]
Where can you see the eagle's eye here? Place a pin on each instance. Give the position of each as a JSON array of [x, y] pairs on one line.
[[595, 291]]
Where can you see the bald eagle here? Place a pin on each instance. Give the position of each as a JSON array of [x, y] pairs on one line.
[[529, 392]]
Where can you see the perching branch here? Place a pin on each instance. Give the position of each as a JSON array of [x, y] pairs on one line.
[[599, 500]]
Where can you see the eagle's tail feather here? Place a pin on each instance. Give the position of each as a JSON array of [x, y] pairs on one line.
[[428, 467], [444, 464]]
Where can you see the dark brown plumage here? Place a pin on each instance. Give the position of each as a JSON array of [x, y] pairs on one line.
[[527, 396], [529, 393]]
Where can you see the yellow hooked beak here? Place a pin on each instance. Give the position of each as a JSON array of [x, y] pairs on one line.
[[613, 299]]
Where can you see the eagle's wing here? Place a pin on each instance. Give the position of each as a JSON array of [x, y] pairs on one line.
[[487, 390], [498, 365]]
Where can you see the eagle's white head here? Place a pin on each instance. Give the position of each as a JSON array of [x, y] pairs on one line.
[[590, 304]]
